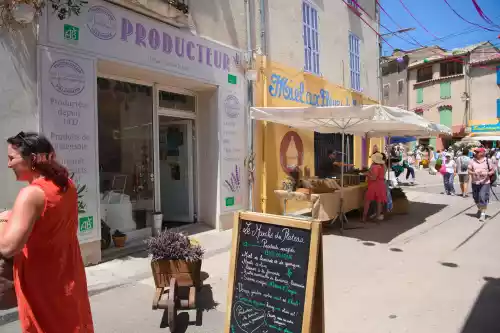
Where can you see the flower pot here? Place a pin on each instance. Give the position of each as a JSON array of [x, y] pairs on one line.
[[119, 241], [187, 273]]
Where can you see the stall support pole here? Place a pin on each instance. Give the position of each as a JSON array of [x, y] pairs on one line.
[[342, 217]]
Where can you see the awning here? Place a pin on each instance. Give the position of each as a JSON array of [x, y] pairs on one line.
[[371, 120]]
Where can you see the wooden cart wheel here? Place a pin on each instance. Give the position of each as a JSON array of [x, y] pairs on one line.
[[172, 304]]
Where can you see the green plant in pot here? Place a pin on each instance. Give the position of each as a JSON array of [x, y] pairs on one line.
[[174, 255]]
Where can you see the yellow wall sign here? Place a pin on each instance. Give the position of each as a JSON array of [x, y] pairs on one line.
[[279, 85], [282, 86]]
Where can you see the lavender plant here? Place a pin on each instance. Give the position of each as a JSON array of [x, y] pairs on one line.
[[171, 245]]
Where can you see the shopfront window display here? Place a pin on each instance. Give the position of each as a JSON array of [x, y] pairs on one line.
[[125, 121]]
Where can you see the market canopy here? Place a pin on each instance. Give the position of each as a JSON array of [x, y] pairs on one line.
[[371, 120]]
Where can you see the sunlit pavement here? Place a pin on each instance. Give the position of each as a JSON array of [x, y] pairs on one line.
[[434, 270]]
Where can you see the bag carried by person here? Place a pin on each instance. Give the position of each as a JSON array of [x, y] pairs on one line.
[[7, 293], [493, 177], [464, 163], [442, 169]]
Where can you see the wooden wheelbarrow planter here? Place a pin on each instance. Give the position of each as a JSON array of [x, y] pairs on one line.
[[169, 276]]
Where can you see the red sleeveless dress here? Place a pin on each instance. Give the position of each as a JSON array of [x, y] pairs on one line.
[[49, 274]]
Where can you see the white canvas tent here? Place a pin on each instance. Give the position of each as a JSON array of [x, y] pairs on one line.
[[370, 120]]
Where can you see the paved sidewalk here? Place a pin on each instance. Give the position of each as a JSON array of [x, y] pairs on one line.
[[435, 271]]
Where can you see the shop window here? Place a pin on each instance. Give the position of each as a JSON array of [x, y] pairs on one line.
[[311, 37], [401, 85], [354, 61], [451, 68], [386, 91], [420, 95], [170, 100], [125, 117], [424, 74], [445, 89]]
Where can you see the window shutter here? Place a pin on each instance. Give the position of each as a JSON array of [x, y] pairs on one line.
[[498, 74], [420, 95], [498, 108], [445, 90]]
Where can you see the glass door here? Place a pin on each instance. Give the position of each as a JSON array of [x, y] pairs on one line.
[[176, 168]]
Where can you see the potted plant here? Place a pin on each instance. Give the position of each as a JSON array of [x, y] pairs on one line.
[[119, 238], [174, 255]]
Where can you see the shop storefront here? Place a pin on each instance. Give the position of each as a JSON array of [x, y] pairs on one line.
[[278, 147], [148, 118]]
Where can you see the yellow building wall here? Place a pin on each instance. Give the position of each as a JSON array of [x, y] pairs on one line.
[[301, 89]]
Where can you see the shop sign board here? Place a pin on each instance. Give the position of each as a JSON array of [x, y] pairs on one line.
[[234, 179], [68, 118], [275, 275], [104, 29], [484, 128]]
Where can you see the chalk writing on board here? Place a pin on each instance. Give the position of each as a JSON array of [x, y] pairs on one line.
[[270, 281]]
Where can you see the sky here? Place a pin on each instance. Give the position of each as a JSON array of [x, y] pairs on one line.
[[440, 21]]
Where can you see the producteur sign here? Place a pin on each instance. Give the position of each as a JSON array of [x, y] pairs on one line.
[[276, 276]]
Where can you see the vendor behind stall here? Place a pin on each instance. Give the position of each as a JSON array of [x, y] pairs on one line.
[[329, 166]]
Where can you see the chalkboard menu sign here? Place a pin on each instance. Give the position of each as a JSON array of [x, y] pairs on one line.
[[273, 274]]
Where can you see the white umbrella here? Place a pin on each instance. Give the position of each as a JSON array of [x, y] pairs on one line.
[[370, 120]]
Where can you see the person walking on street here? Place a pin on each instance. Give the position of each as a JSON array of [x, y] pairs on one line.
[[41, 235], [377, 190], [481, 170], [449, 175], [463, 171]]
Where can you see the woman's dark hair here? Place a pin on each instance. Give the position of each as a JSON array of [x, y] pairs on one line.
[[465, 151], [39, 150]]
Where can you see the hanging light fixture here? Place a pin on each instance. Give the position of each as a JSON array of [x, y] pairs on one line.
[[23, 13], [16, 14]]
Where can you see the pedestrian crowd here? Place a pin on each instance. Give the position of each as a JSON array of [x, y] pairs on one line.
[[479, 166]]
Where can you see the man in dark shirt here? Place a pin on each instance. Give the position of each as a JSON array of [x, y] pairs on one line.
[[329, 166]]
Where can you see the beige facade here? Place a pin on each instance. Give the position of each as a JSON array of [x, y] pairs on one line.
[[336, 20], [432, 95], [472, 93], [484, 93]]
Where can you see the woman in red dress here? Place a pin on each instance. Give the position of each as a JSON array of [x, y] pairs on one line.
[[376, 186], [41, 236]]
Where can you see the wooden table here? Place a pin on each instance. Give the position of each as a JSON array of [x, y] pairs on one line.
[[326, 206]]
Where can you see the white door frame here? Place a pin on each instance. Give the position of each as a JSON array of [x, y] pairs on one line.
[[189, 134], [193, 168]]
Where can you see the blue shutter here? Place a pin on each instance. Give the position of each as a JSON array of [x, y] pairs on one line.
[[498, 108], [498, 74]]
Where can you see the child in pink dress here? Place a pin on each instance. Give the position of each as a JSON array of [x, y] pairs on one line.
[[376, 186]]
